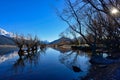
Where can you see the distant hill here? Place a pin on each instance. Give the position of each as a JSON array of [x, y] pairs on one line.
[[6, 40], [60, 41], [45, 42]]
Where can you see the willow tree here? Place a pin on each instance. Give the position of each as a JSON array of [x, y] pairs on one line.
[[93, 15], [109, 7], [72, 15], [20, 42]]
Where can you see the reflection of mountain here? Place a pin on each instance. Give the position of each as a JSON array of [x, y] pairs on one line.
[[61, 41], [3, 58], [76, 61], [62, 50]]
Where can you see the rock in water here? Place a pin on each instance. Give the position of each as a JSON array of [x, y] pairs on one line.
[[76, 69]]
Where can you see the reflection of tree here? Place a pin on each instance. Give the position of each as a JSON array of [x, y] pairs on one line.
[[33, 59], [19, 64], [43, 49], [76, 61], [29, 60]]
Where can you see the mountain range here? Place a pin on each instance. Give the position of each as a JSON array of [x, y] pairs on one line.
[[5, 33], [6, 38], [61, 41]]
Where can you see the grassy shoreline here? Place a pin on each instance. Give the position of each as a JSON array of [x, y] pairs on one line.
[[8, 46]]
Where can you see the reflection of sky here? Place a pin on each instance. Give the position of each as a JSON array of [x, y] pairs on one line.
[[79, 60], [3, 58], [44, 66]]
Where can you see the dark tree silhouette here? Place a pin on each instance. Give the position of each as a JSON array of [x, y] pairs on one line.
[[95, 15]]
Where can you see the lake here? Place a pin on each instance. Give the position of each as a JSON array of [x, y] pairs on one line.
[[50, 64]]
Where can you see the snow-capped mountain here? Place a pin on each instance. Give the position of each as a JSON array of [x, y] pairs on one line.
[[6, 38], [5, 33]]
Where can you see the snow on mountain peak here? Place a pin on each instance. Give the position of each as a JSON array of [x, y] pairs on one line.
[[5, 33]]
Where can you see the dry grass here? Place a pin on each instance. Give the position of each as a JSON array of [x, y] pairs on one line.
[[8, 46]]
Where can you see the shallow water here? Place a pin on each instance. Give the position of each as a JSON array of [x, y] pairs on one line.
[[49, 65]]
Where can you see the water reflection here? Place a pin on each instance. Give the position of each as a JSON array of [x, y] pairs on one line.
[[76, 61], [62, 50], [43, 49], [5, 57], [47, 64], [32, 60]]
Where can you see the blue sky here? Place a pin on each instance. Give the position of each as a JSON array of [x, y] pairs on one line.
[[36, 17]]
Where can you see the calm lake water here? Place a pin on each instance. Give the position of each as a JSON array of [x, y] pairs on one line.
[[49, 65]]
